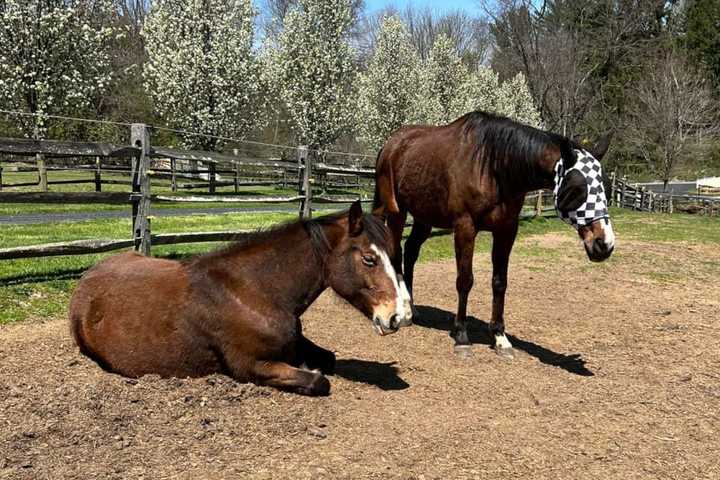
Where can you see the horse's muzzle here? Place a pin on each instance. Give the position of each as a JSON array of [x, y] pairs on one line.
[[386, 327], [599, 250]]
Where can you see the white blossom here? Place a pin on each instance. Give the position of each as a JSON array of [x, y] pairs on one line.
[[389, 96], [202, 72], [450, 89], [446, 92], [312, 67], [54, 57], [516, 102]]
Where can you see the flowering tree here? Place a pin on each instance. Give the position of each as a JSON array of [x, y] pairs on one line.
[[388, 95], [312, 66], [53, 57], [516, 102], [201, 71], [483, 88], [446, 87]]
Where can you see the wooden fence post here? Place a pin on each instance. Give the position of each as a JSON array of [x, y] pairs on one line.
[[237, 178], [539, 204], [211, 177], [40, 162], [42, 172], [642, 199], [305, 191], [173, 176], [1, 180], [622, 192], [98, 173], [140, 138]]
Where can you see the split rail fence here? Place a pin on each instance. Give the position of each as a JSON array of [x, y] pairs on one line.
[[304, 174], [624, 194], [146, 165]]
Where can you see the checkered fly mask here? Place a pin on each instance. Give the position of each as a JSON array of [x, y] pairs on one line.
[[595, 205]]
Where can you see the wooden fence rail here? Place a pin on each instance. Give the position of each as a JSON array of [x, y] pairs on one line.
[[305, 175]]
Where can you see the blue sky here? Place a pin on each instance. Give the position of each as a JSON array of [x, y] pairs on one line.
[[471, 6]]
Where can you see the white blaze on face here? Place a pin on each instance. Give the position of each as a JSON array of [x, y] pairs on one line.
[[609, 234], [390, 271]]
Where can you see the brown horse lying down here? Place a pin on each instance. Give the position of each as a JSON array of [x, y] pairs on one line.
[[237, 310]]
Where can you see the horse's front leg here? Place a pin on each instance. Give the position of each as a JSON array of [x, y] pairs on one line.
[[464, 236], [286, 377], [503, 241], [314, 357]]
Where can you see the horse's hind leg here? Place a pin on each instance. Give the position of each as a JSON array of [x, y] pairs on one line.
[[419, 233], [283, 376], [396, 225], [464, 237], [502, 245]]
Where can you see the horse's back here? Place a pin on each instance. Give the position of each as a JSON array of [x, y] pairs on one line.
[[427, 171], [129, 313]]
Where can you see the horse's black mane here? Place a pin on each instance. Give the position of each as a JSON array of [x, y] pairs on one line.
[[373, 227], [510, 151]]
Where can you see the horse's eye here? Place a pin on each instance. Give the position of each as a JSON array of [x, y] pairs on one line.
[[369, 260]]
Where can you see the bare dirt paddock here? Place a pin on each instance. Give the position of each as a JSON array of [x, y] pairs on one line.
[[616, 375]]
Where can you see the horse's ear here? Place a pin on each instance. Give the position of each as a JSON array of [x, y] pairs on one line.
[[355, 221], [601, 147]]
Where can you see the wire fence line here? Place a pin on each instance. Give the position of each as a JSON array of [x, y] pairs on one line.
[[188, 133]]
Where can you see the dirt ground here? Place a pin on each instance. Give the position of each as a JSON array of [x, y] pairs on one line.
[[616, 375]]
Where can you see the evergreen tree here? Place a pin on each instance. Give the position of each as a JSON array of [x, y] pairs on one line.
[[702, 33]]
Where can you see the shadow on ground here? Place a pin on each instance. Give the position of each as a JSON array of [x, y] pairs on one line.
[[432, 317], [382, 375]]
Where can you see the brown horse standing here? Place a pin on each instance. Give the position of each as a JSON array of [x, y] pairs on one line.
[[472, 175], [237, 310]]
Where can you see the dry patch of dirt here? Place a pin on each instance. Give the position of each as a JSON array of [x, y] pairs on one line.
[[615, 376]]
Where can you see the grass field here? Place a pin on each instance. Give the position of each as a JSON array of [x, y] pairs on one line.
[[40, 288]]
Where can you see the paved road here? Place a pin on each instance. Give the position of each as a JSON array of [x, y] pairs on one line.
[[678, 188], [38, 218]]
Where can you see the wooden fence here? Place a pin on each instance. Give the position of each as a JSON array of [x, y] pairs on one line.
[[623, 194], [305, 174]]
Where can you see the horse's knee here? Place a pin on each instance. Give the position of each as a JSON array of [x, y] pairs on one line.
[[464, 282], [499, 284]]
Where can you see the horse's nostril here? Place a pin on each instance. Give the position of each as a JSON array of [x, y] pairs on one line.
[[394, 322]]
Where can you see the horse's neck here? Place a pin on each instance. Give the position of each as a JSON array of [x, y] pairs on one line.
[[287, 270]]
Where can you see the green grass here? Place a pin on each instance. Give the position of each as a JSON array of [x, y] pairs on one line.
[[41, 288]]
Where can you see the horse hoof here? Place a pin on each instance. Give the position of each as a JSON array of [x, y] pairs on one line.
[[506, 353], [319, 387], [463, 351]]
